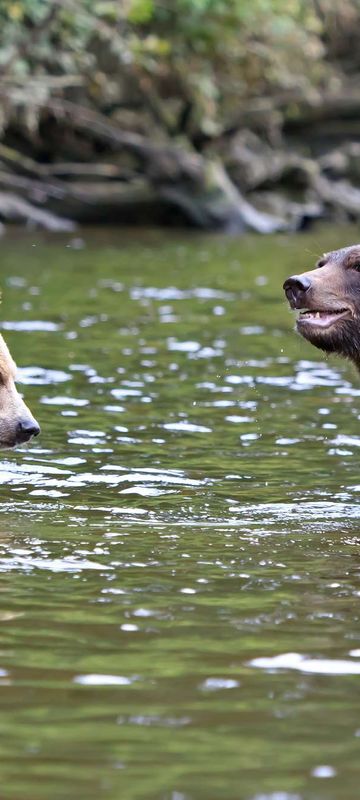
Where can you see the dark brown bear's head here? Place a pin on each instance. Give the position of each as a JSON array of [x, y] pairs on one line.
[[328, 300], [17, 424]]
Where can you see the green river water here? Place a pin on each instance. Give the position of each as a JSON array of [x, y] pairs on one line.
[[180, 548]]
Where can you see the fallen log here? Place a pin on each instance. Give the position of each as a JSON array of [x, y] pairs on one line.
[[320, 106], [227, 208], [297, 215], [16, 209], [253, 164], [220, 206], [200, 189], [180, 179], [340, 195]]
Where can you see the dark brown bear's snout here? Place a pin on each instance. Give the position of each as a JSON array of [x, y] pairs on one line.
[[328, 302], [295, 289], [26, 428]]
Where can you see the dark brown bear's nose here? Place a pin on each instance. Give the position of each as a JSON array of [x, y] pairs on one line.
[[295, 289], [26, 429]]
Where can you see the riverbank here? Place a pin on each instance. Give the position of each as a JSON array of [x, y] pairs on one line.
[[136, 117]]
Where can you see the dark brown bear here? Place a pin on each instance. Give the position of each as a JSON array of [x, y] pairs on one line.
[[328, 300]]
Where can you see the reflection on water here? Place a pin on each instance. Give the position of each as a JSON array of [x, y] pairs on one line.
[[179, 551]]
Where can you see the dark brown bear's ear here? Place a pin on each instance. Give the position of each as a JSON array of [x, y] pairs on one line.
[[352, 260]]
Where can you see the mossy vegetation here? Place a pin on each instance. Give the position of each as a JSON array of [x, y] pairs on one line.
[[217, 113]]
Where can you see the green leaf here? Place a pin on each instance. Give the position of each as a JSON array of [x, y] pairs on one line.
[[141, 11]]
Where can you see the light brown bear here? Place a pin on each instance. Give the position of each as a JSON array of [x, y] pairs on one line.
[[17, 424], [328, 300]]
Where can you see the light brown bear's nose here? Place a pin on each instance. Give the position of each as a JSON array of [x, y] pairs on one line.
[[26, 429], [295, 289]]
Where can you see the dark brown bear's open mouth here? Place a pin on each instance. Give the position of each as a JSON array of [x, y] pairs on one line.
[[321, 318]]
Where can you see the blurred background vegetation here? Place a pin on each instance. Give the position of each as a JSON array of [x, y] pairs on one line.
[[215, 113]]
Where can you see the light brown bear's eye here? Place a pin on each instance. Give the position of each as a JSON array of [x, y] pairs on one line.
[[321, 263], [356, 266]]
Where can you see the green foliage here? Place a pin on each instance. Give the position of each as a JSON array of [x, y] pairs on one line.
[[141, 11], [211, 54]]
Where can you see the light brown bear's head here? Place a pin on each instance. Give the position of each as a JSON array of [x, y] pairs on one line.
[[17, 425], [328, 300]]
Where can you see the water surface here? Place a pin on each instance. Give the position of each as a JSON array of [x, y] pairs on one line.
[[179, 550]]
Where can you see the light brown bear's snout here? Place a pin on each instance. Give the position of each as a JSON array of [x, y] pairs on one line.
[[26, 428], [17, 424]]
